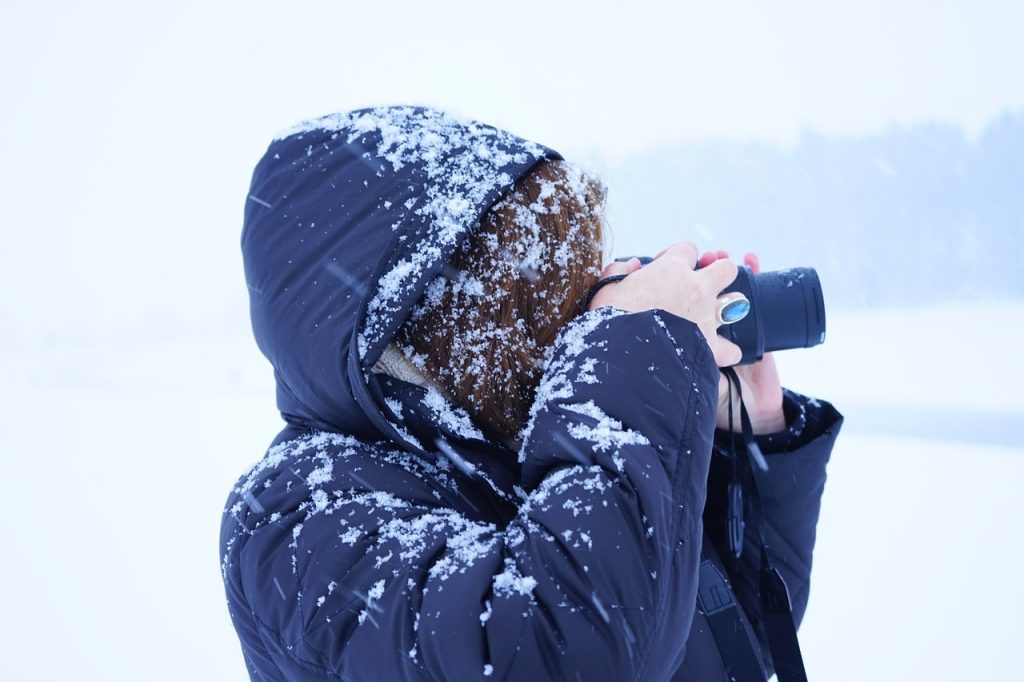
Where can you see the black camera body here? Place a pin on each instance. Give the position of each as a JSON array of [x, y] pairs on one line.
[[787, 310]]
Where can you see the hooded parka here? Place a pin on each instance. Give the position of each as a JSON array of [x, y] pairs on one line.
[[385, 536]]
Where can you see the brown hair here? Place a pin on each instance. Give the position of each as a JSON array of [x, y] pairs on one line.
[[484, 328]]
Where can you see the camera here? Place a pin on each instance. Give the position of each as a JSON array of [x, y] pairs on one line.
[[787, 310]]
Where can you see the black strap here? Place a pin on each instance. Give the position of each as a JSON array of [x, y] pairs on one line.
[[776, 607], [600, 284], [715, 601], [778, 624]]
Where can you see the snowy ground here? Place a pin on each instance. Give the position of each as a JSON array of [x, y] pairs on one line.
[[118, 458]]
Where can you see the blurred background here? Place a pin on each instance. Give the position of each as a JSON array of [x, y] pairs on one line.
[[881, 143]]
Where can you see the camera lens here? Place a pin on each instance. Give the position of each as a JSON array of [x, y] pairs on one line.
[[787, 311], [793, 309]]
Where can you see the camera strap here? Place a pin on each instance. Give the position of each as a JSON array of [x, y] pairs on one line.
[[776, 608], [600, 284], [717, 604]]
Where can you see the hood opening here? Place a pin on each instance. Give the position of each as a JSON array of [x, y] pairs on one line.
[[358, 212]]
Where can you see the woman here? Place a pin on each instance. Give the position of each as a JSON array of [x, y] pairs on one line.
[[476, 480]]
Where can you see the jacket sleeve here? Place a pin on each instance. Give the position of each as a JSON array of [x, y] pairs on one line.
[[595, 576], [790, 491]]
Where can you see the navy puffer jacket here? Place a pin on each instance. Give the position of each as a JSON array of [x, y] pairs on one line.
[[384, 536]]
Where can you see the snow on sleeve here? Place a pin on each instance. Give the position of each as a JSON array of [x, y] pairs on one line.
[[370, 599], [607, 434], [568, 348], [453, 418], [510, 582]]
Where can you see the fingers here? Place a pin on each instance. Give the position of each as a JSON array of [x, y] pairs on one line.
[[709, 257], [720, 274], [753, 262], [751, 259], [685, 251]]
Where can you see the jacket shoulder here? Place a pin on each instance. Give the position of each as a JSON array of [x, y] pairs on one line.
[[306, 487]]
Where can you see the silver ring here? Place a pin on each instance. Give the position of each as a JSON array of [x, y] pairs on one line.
[[733, 308]]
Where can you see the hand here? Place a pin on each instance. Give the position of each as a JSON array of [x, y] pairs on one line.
[[762, 391], [670, 283]]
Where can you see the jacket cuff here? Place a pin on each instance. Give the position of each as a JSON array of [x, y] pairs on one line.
[[807, 418]]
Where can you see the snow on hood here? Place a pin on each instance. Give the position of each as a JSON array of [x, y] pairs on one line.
[[349, 217]]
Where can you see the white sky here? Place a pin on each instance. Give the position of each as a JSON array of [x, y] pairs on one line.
[[608, 76], [130, 129]]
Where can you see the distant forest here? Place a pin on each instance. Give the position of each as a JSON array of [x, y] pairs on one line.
[[918, 214]]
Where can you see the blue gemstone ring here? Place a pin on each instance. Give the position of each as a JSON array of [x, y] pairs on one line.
[[733, 309]]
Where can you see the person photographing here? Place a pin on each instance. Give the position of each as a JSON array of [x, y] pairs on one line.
[[477, 480]]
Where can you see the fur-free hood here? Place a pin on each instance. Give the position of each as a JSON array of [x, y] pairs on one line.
[[349, 217]]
